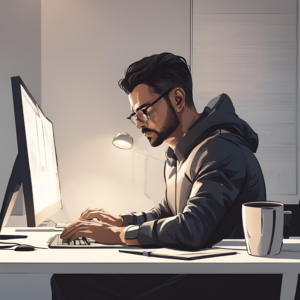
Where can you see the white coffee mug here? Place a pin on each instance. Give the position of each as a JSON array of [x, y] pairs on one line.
[[263, 227]]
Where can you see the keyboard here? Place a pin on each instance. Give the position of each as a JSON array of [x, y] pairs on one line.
[[79, 241], [57, 243]]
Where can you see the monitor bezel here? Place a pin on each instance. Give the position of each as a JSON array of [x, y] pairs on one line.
[[33, 219]]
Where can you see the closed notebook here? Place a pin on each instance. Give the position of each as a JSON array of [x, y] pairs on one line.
[[186, 255]]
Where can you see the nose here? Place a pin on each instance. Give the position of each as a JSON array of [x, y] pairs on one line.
[[140, 124]]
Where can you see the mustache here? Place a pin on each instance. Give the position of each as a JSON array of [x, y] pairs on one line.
[[150, 130]]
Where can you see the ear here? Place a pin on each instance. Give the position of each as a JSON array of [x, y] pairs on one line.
[[179, 96]]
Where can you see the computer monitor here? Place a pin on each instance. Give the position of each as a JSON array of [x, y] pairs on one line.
[[36, 165]]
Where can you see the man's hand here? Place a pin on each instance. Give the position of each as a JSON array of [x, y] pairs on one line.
[[101, 232], [102, 216]]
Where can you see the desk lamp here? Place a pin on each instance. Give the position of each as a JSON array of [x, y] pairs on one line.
[[123, 140]]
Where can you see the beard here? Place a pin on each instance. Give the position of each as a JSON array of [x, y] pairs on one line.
[[169, 126]]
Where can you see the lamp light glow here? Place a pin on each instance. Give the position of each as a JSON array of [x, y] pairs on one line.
[[123, 141]]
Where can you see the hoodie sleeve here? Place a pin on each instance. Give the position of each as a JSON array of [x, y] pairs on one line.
[[219, 178], [133, 220], [162, 210]]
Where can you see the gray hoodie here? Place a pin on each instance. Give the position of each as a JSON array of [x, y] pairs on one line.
[[209, 175]]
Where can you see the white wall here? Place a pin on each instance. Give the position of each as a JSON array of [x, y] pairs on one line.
[[20, 55], [248, 49], [86, 47]]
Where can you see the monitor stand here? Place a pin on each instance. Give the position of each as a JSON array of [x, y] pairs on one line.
[[10, 197]]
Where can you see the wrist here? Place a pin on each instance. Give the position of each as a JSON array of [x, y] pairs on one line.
[[120, 222], [132, 242], [122, 234]]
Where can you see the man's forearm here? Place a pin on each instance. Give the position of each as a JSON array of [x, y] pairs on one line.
[[132, 222], [133, 219], [129, 242], [162, 210], [132, 242]]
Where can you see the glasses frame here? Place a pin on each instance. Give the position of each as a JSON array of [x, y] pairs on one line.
[[146, 109]]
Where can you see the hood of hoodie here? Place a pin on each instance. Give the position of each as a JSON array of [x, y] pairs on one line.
[[219, 113]]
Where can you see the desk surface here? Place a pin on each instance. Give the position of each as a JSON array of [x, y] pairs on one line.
[[112, 261]]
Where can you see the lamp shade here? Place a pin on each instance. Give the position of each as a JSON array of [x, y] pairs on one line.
[[123, 141]]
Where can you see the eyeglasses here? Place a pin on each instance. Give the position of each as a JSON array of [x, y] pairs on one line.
[[143, 113]]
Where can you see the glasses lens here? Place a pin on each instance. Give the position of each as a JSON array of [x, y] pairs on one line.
[[139, 116], [142, 116], [133, 119]]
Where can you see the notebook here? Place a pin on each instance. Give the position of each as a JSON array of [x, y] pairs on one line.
[[186, 255]]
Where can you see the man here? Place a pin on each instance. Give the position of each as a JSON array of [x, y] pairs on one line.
[[210, 170]]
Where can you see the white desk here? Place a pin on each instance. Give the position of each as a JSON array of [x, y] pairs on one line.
[[51, 261]]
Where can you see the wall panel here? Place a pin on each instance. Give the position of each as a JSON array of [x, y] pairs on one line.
[[249, 51]]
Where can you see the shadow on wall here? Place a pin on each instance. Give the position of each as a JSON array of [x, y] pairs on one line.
[[148, 169], [148, 174], [120, 181]]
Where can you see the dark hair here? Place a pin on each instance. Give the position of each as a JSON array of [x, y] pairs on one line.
[[161, 72]]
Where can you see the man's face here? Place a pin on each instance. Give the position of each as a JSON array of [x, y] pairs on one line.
[[163, 119]]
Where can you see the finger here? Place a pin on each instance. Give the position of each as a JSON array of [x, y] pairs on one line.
[[98, 223], [63, 232], [75, 230], [71, 231], [77, 227], [85, 211], [70, 227], [78, 234], [90, 215], [92, 210], [103, 224], [95, 214], [89, 211]]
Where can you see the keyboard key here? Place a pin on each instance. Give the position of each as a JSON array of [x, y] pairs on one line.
[[86, 240], [82, 241], [63, 242]]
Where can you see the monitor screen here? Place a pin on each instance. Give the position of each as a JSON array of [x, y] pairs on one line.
[[41, 155], [36, 167]]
